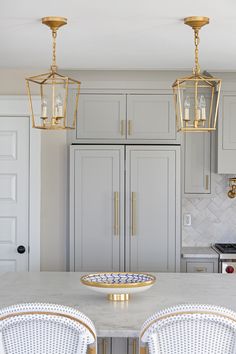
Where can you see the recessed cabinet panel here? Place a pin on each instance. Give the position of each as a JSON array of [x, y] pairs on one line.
[[101, 116], [197, 267], [226, 162], [152, 199], [197, 163], [97, 176], [150, 117]]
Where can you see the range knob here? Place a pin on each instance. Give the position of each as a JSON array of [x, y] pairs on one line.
[[229, 269]]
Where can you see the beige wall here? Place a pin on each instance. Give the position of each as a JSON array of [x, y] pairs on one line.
[[54, 205]]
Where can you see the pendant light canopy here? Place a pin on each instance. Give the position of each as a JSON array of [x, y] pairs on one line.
[[54, 90], [196, 96]]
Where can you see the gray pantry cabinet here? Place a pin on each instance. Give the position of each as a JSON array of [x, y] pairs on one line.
[[124, 208]]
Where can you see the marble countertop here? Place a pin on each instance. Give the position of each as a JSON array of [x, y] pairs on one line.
[[113, 319], [199, 252]]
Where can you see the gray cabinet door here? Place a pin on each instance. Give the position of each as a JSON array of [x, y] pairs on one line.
[[152, 209], [226, 162], [101, 116], [197, 163], [96, 208], [151, 117]]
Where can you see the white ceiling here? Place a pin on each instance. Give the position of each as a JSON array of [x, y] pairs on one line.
[[118, 34]]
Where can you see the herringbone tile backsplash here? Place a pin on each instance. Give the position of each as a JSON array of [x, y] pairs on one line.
[[213, 217]]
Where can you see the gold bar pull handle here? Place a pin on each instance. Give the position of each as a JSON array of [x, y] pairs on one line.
[[104, 346], [116, 213], [200, 269], [207, 182], [122, 127], [133, 214], [130, 127], [134, 346]]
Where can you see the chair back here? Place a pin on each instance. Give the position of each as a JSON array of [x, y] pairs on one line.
[[191, 329], [44, 329]]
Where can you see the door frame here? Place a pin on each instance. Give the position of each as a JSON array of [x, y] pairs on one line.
[[18, 106]]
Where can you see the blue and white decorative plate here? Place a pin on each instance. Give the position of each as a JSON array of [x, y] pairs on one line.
[[118, 285]]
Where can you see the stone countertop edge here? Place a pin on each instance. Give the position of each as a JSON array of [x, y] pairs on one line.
[[199, 252]]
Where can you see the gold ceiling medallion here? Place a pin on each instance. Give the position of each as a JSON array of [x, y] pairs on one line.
[[196, 96], [54, 89]]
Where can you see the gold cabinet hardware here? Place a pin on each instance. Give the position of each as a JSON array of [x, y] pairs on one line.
[[134, 346], [130, 127], [91, 350], [104, 346], [207, 182], [200, 269], [133, 213], [122, 127], [116, 213], [143, 350]]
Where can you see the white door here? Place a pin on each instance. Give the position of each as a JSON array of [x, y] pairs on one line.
[[151, 117], [101, 116], [153, 209], [97, 204], [14, 193]]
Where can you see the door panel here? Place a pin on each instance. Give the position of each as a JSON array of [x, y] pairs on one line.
[[151, 215], [14, 192], [197, 163], [151, 117], [101, 116], [98, 206]]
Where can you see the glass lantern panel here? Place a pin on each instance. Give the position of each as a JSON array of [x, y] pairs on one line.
[[197, 99], [52, 95]]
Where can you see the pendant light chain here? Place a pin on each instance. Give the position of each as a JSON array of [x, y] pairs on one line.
[[197, 69], [54, 64]]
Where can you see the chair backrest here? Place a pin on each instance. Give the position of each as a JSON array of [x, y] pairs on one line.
[[191, 329], [44, 329]]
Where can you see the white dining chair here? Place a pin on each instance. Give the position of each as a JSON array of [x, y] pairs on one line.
[[190, 329], [45, 329]]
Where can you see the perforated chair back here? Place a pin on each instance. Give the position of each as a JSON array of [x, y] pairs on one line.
[[45, 329], [191, 329]]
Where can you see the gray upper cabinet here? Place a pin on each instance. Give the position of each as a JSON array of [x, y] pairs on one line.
[[152, 209], [101, 116], [151, 117], [197, 163], [227, 134], [126, 117]]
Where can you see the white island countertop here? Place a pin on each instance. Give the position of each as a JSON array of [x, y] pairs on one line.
[[118, 319]]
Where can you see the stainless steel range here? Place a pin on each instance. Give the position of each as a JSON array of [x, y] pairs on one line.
[[227, 257]]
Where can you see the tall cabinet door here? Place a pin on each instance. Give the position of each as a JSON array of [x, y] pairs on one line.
[[197, 163], [153, 209], [96, 219]]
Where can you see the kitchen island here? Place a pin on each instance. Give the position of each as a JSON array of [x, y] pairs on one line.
[[118, 319]]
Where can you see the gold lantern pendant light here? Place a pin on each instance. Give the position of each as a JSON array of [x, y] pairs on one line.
[[54, 90], [196, 96]]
